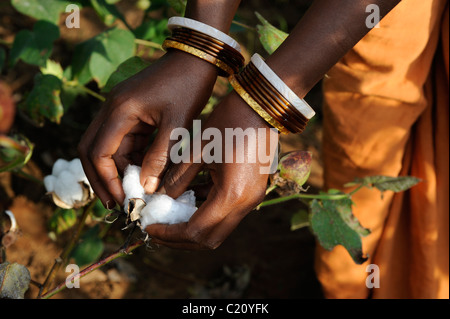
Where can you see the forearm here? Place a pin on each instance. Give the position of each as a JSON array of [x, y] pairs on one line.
[[322, 37], [216, 13]]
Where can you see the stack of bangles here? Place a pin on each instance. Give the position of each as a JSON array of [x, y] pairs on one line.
[[256, 84]]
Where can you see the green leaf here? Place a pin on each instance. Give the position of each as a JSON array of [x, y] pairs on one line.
[[107, 11], [52, 67], [125, 70], [34, 47], [387, 183], [178, 5], [153, 30], [41, 9], [98, 57], [99, 211], [143, 4], [14, 280], [62, 220], [269, 36], [69, 94], [299, 220], [333, 223], [89, 249], [44, 99]]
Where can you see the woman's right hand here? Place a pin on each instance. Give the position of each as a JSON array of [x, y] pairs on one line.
[[168, 94]]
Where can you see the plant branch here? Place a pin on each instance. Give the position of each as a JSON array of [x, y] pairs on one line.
[[243, 25], [302, 196], [149, 44], [355, 190], [95, 266], [67, 250], [28, 176], [92, 93]]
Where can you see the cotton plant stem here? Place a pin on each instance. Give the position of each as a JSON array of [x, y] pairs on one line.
[[355, 190], [302, 196], [28, 176], [67, 250], [93, 93], [91, 268], [149, 44], [243, 25]]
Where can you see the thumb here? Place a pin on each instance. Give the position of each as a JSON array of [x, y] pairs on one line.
[[178, 178], [155, 161]]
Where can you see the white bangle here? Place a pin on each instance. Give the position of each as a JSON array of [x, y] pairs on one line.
[[300, 104], [204, 28]]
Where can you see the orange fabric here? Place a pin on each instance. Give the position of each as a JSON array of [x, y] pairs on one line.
[[386, 113]]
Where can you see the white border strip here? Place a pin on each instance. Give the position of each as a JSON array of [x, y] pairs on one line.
[[266, 71], [204, 28]]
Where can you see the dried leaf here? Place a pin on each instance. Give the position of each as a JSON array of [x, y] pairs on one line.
[[14, 280]]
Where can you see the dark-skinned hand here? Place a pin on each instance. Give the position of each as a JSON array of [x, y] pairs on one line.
[[237, 187], [168, 94]]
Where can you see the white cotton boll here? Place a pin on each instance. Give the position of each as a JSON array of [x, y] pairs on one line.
[[59, 166], [146, 218], [76, 168], [131, 184], [68, 189], [163, 209], [187, 198], [49, 183]]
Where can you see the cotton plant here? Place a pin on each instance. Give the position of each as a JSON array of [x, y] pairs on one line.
[[147, 209], [68, 184], [70, 188]]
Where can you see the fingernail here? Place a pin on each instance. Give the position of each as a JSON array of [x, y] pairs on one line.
[[150, 184]]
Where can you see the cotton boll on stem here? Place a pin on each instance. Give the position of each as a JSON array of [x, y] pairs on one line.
[[166, 210], [76, 168], [132, 185], [60, 166], [68, 189], [49, 183], [68, 184]]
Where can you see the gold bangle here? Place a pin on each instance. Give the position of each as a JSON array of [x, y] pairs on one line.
[[255, 106], [198, 53]]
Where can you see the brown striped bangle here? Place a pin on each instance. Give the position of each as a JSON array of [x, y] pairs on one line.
[[226, 58], [275, 108]]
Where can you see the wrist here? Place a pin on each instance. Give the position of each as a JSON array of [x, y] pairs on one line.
[[189, 64]]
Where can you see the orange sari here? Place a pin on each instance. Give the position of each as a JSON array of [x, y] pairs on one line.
[[386, 112]]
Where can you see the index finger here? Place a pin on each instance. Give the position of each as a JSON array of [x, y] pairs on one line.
[[105, 145]]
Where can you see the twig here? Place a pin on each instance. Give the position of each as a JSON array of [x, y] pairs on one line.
[[37, 284], [149, 44], [302, 196], [67, 250], [28, 176], [243, 25], [91, 268], [92, 93]]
